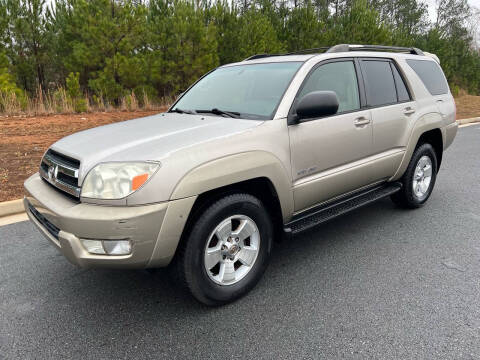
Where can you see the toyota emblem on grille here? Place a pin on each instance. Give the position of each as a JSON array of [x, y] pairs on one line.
[[52, 172]]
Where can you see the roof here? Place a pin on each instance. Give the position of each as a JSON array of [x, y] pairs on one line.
[[341, 49]]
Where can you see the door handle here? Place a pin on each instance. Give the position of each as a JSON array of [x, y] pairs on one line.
[[408, 111], [361, 121]]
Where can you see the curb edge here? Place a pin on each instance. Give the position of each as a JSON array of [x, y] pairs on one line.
[[12, 207]]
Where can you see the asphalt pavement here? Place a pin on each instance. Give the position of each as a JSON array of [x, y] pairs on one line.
[[378, 283]]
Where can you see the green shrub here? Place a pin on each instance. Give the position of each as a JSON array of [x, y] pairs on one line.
[[80, 105], [455, 90], [73, 85], [145, 94]]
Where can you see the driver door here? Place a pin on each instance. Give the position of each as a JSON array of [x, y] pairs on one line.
[[327, 153]]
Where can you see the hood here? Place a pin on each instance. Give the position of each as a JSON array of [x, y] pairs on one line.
[[150, 138]]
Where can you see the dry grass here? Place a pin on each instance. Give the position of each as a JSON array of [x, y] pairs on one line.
[[58, 102], [468, 106]]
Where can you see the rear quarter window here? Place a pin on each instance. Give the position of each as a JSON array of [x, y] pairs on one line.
[[431, 75]]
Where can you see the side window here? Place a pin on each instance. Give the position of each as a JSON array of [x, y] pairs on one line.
[[380, 86], [402, 91], [337, 76], [431, 75]]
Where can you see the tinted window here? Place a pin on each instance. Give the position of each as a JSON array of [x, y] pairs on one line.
[[253, 90], [402, 91], [431, 75], [379, 83], [339, 77]]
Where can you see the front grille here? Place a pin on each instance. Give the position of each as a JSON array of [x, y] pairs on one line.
[[66, 160], [61, 171], [52, 229]]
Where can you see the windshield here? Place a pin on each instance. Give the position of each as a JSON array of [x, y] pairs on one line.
[[251, 91]]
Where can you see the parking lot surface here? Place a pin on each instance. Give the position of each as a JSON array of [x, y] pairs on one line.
[[378, 283]]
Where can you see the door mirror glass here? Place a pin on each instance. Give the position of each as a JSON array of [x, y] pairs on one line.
[[317, 104]]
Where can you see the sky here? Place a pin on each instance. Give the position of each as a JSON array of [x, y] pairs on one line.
[[431, 6]]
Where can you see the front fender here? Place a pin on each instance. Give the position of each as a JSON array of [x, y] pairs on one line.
[[236, 168]]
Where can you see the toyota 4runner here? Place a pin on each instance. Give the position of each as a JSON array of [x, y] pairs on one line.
[[253, 151]]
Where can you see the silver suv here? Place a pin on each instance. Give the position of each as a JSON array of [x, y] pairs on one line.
[[252, 152]]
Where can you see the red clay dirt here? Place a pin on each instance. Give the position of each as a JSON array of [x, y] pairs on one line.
[[23, 140]]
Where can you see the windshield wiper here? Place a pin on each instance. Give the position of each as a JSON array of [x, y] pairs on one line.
[[181, 111], [232, 114]]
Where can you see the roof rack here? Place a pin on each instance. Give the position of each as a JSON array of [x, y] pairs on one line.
[[260, 56], [308, 51], [298, 52], [345, 48], [349, 47]]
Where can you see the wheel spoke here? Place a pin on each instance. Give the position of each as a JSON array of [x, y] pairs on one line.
[[224, 231], [244, 230], [417, 188], [212, 257], [427, 171], [247, 255], [423, 187], [227, 272]]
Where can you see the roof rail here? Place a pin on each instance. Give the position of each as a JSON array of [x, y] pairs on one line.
[[298, 52], [349, 47], [344, 48], [260, 56], [307, 51]]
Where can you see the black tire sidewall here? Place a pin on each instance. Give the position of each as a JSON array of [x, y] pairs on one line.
[[422, 150], [201, 286]]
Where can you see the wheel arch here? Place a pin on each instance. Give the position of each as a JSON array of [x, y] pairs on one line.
[[260, 187], [256, 172], [427, 129], [434, 138]]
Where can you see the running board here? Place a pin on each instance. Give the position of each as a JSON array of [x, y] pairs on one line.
[[330, 211]]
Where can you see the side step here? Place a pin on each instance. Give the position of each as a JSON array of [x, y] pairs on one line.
[[327, 212]]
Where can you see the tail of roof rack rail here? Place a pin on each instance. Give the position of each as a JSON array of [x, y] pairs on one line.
[[345, 48], [349, 47]]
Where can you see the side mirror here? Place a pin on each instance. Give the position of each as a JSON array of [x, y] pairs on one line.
[[317, 104]]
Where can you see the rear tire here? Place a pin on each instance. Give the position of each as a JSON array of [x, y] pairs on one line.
[[419, 178], [227, 249]]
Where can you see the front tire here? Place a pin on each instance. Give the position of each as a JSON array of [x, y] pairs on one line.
[[419, 178], [226, 250]]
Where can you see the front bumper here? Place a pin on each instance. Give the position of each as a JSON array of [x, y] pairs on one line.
[[65, 222]]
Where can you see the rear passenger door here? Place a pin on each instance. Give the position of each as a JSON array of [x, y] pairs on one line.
[[390, 102]]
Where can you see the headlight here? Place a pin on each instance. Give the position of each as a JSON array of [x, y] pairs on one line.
[[117, 180]]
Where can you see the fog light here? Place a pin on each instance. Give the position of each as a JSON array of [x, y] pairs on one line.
[[93, 246], [117, 247], [107, 247]]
